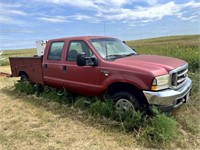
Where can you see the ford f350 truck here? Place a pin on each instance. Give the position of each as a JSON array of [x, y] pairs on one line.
[[107, 67]]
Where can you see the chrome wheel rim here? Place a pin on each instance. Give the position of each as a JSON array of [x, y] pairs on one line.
[[124, 105]]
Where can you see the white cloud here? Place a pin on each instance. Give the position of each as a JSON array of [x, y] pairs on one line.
[[10, 20], [84, 18], [192, 4], [8, 12], [106, 10], [121, 10], [63, 19], [55, 19], [192, 14], [9, 9], [191, 18], [77, 3], [12, 12], [80, 17], [98, 4], [112, 3], [11, 31], [140, 13]]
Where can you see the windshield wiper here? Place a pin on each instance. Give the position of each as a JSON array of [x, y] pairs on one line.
[[130, 54], [115, 56]]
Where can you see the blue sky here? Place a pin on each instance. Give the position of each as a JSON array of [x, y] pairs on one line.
[[22, 22]]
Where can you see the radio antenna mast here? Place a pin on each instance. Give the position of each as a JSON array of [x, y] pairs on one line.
[[104, 27]]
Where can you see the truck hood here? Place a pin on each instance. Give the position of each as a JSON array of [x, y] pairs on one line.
[[151, 63]]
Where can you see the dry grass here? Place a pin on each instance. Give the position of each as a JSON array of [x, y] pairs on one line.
[[5, 69], [25, 126]]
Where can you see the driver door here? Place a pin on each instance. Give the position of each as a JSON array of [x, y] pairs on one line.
[[85, 80]]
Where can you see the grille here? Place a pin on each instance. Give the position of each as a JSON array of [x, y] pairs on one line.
[[179, 75]]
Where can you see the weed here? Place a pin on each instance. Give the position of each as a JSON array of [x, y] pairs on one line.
[[80, 102], [102, 108], [132, 120], [160, 130], [25, 87], [65, 97], [50, 94]]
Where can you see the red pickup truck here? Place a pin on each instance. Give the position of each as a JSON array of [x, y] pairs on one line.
[[107, 67]]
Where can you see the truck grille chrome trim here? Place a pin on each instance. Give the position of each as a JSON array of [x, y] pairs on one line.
[[178, 76]]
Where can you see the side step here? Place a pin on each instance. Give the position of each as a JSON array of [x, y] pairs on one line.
[[88, 101]]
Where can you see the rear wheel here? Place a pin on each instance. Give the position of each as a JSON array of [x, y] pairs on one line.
[[24, 78], [125, 101]]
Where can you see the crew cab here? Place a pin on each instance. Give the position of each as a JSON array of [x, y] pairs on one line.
[[107, 67]]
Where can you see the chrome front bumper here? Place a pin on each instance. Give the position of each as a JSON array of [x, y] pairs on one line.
[[169, 98]]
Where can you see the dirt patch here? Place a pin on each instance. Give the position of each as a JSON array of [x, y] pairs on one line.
[[3, 74]]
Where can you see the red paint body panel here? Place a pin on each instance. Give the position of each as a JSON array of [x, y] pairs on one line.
[[32, 66], [138, 70]]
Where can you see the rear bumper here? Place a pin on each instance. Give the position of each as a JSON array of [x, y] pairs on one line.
[[168, 99]]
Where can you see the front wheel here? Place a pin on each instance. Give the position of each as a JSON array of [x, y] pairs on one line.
[[125, 101]]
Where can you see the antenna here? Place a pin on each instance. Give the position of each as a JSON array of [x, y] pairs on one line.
[[104, 27], [105, 44]]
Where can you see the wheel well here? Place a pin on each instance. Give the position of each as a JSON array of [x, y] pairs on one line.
[[120, 86], [23, 73]]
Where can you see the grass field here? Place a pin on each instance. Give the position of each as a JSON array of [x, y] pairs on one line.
[[184, 47], [27, 122], [13, 53]]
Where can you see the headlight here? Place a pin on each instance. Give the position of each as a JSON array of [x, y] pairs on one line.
[[161, 82]]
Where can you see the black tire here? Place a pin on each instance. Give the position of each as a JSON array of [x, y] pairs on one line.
[[125, 101], [24, 78]]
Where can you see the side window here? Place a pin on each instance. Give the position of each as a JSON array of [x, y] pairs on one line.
[[77, 47], [55, 51]]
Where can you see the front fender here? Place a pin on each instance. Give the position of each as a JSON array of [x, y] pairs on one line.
[[136, 81]]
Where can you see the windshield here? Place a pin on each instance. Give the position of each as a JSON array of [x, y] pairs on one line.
[[110, 48]]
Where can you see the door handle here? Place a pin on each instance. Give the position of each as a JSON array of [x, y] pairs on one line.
[[45, 66], [64, 68]]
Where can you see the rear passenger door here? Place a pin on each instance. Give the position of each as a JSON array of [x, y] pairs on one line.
[[52, 67]]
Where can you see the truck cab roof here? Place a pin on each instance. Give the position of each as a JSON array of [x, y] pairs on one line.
[[79, 38]]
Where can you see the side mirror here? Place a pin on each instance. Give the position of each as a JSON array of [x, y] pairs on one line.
[[94, 61], [80, 60]]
